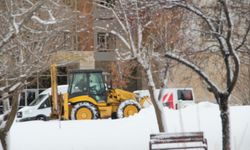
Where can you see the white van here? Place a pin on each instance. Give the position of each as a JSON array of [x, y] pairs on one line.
[[174, 98], [40, 108]]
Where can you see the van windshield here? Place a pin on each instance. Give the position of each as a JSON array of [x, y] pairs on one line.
[[37, 100]]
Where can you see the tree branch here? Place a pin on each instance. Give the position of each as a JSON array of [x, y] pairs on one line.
[[244, 39], [196, 11], [229, 22], [196, 69], [12, 33]]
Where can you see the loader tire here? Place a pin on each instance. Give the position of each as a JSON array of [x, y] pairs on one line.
[[128, 108], [84, 111]]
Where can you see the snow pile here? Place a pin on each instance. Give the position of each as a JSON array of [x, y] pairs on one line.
[[130, 133]]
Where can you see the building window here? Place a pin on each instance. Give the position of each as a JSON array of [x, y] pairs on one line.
[[108, 3], [105, 41]]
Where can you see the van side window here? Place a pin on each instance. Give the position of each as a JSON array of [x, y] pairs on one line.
[[185, 95], [45, 104]]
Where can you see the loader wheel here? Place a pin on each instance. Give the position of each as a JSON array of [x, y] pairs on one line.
[[84, 111], [128, 108]]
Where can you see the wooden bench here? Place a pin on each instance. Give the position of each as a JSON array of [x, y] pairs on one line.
[[182, 140]]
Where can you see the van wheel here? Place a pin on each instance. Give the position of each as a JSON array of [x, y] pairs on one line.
[[128, 108], [84, 111], [41, 118]]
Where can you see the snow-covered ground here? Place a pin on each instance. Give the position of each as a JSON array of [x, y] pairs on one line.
[[130, 133]]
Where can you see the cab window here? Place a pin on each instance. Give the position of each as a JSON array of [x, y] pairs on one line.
[[96, 83], [79, 83], [97, 87]]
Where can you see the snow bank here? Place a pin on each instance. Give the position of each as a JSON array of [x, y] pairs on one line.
[[130, 133]]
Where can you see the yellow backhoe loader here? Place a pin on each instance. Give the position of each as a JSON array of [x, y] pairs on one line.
[[89, 98]]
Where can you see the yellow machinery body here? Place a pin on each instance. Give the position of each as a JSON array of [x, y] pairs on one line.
[[114, 98], [76, 104]]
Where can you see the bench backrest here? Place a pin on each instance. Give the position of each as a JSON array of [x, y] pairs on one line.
[[182, 140]]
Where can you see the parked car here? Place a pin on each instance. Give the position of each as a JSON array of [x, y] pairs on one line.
[[40, 108], [174, 98]]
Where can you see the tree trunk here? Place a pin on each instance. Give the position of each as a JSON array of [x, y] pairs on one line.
[[3, 139], [10, 119], [225, 120], [159, 115], [6, 103], [158, 111]]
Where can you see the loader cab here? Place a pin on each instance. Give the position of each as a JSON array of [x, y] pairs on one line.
[[87, 82]]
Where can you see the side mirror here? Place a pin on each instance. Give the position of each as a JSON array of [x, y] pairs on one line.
[[45, 106], [109, 87]]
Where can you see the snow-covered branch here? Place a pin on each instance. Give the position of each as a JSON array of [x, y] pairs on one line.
[[229, 21], [124, 56], [139, 27], [244, 39], [114, 13], [44, 22], [14, 29], [196, 10], [128, 27], [194, 68]]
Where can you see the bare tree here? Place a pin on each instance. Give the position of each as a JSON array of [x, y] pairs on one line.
[[31, 31], [218, 19], [133, 17]]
